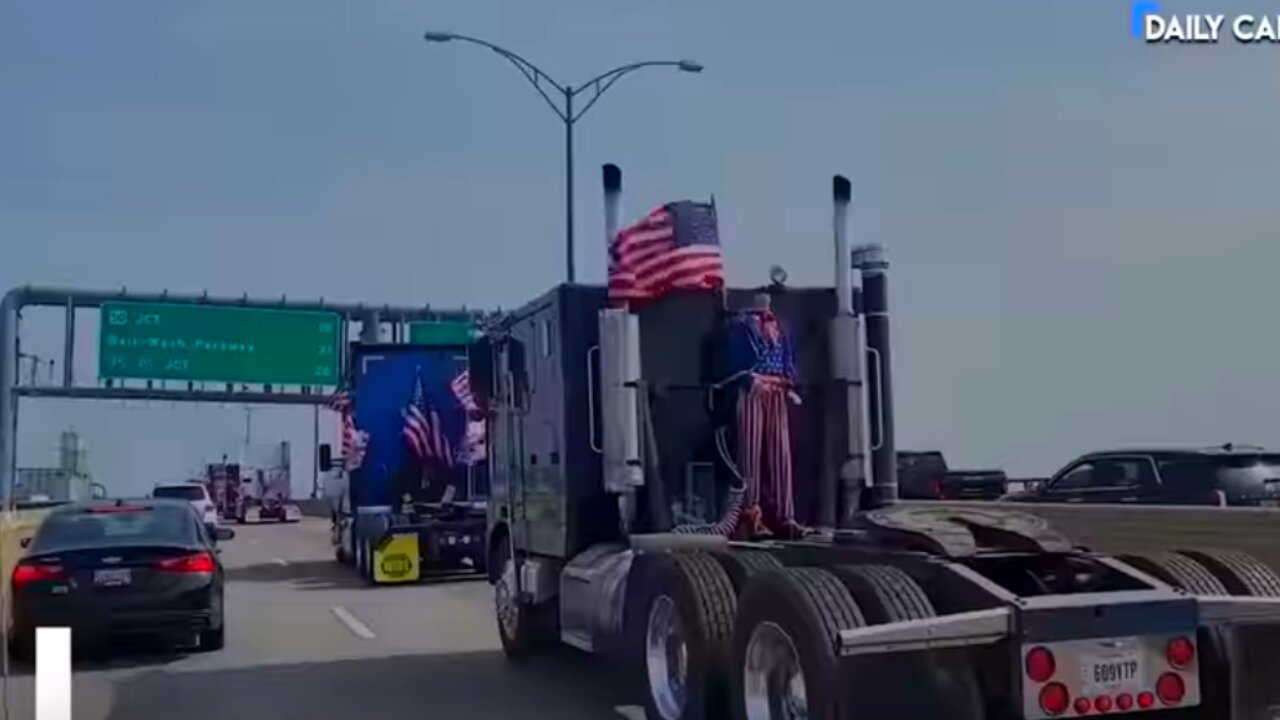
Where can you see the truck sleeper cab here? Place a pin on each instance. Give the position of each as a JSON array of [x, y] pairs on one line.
[[609, 466]]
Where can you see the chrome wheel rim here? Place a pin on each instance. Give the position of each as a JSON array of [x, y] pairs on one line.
[[773, 681], [666, 658], [504, 601]]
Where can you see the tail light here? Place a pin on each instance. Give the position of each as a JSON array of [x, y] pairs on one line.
[[1040, 664], [1180, 652], [1103, 703], [200, 563], [1170, 689], [27, 574], [1054, 699], [1083, 705], [1146, 700], [935, 487], [1124, 702]]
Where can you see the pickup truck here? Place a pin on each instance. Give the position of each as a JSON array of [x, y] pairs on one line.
[[1226, 475], [924, 475]]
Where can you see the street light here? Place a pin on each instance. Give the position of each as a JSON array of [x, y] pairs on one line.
[[566, 112]]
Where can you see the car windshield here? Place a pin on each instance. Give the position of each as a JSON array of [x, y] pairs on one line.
[[116, 526], [180, 492]]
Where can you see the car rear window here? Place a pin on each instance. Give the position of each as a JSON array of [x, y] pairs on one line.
[[925, 463], [180, 492], [1225, 472], [116, 526]]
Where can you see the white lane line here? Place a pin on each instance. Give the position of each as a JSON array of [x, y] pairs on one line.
[[356, 627], [630, 712], [280, 561]]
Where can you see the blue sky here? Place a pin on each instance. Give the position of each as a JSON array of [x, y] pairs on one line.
[[1082, 227]]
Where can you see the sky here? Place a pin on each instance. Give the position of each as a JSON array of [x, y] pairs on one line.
[[1081, 227]]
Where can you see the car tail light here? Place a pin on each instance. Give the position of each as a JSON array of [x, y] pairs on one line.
[[1124, 702], [1103, 703], [1146, 700], [1180, 652], [1040, 664], [26, 574], [1054, 699], [1083, 705], [935, 487], [1170, 689], [193, 564]]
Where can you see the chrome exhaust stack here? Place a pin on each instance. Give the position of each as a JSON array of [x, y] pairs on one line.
[[843, 499], [871, 262]]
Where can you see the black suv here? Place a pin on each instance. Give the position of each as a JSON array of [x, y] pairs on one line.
[[1225, 475]]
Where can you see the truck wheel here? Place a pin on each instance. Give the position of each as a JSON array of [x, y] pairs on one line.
[[521, 626], [680, 618], [1240, 573], [1179, 571], [884, 593], [941, 685], [743, 565], [783, 662]]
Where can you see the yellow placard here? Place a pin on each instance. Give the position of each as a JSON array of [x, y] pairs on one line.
[[395, 560]]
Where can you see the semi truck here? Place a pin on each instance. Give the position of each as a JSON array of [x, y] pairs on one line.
[[257, 489], [413, 502], [603, 421]]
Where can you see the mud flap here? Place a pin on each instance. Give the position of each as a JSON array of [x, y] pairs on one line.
[[396, 559], [1255, 665]]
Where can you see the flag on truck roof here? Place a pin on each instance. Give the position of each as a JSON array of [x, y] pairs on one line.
[[422, 429], [353, 441], [675, 247]]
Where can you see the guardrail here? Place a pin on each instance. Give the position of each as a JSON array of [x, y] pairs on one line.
[[1153, 528]]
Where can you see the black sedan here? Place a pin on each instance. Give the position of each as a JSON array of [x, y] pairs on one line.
[[123, 568]]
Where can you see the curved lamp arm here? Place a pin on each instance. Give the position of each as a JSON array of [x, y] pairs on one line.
[[605, 80], [531, 72]]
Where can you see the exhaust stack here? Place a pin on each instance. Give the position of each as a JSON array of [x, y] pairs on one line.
[[612, 203], [843, 490], [870, 260]]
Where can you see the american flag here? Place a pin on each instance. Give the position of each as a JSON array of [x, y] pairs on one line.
[[422, 429], [353, 441], [461, 387], [674, 247], [473, 448]]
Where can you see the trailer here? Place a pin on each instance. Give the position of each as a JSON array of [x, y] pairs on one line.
[[413, 503], [614, 485]]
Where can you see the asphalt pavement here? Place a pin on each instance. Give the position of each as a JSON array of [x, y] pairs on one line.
[[307, 640]]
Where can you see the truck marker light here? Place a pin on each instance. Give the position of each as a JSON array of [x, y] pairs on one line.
[[1180, 652], [1083, 706], [1124, 702], [1103, 703], [1054, 699], [1040, 664], [1146, 700], [1170, 688]]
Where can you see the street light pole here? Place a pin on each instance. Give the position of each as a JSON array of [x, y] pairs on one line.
[[566, 112]]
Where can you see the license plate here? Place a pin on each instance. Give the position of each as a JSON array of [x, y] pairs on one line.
[[1109, 674], [113, 577]]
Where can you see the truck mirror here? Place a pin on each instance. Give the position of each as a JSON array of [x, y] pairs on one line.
[[480, 370], [326, 457]]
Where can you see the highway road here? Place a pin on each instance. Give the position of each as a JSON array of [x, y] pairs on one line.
[[306, 640]]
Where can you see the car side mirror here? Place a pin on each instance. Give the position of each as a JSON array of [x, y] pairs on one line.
[[223, 533]]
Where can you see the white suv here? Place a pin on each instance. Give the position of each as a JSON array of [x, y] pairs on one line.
[[195, 493]]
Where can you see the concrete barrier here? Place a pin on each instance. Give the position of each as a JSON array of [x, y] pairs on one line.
[[1154, 528]]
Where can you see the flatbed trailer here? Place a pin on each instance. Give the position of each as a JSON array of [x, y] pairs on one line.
[[887, 610]]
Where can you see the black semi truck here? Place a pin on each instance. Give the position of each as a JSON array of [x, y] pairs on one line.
[[612, 477]]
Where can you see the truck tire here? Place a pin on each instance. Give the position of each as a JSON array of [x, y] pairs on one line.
[[1240, 573], [884, 593], [1179, 571], [743, 565], [522, 628], [940, 685], [679, 621], [785, 634]]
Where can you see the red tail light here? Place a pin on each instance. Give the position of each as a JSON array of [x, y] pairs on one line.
[[1103, 703], [1040, 664], [1146, 700], [935, 487], [1171, 689], [192, 564], [1054, 699], [1083, 705], [1180, 652], [26, 574], [1124, 703]]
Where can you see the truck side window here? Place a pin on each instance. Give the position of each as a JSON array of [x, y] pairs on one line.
[[1079, 478]]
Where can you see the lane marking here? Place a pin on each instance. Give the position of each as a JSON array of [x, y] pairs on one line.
[[356, 627], [53, 673], [630, 712], [280, 561]]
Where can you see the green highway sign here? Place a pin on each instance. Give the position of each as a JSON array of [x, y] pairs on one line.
[[208, 343], [441, 333]]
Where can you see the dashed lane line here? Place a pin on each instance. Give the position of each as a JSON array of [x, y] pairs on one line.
[[353, 624]]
